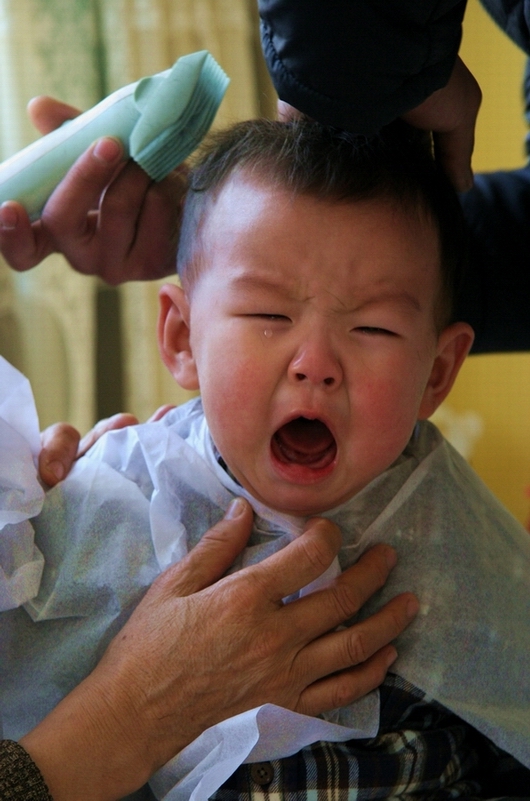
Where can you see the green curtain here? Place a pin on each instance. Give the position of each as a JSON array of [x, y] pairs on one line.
[[78, 51]]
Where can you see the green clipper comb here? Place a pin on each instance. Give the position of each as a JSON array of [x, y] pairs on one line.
[[160, 120]]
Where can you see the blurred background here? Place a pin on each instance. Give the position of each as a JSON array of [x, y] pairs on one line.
[[89, 350]]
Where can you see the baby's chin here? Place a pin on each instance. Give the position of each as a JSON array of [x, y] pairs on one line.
[[300, 474], [298, 501]]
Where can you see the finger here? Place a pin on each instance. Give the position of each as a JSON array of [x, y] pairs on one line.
[[325, 609], [140, 220], [119, 257], [348, 686], [355, 645], [453, 150], [160, 413], [22, 243], [114, 423], [119, 215], [157, 233], [454, 143], [65, 213], [451, 113], [213, 555], [59, 449], [47, 114], [299, 563], [287, 113]]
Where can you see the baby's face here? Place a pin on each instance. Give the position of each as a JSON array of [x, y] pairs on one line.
[[313, 338]]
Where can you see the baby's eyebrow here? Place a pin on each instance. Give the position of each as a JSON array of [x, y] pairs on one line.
[[402, 298], [406, 300], [247, 281]]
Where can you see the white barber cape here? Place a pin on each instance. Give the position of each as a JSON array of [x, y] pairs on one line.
[[145, 495], [21, 495]]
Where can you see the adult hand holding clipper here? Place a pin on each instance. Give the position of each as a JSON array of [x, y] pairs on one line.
[[158, 121]]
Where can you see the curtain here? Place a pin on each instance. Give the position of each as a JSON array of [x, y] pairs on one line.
[[82, 345]]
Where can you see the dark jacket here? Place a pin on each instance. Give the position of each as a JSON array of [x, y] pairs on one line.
[[359, 64]]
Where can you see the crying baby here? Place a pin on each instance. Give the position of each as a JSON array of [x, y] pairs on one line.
[[314, 314]]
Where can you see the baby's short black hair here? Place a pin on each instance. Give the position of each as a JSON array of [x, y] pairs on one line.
[[395, 165]]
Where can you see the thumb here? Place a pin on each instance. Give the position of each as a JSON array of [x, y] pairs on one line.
[[47, 114], [451, 113], [213, 555]]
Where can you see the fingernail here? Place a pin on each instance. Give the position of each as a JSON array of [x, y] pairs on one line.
[[108, 149], [235, 509], [8, 217], [57, 469]]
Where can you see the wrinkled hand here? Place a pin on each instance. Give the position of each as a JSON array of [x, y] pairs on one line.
[[450, 113], [195, 652], [107, 217]]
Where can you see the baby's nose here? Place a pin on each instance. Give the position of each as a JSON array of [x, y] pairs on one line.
[[328, 381], [316, 364]]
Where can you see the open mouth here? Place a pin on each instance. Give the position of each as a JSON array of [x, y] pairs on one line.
[[304, 442]]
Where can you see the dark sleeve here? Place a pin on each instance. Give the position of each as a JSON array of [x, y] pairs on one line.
[[359, 64], [20, 778], [496, 292], [513, 16]]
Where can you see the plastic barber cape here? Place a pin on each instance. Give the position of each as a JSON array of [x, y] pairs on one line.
[[145, 495]]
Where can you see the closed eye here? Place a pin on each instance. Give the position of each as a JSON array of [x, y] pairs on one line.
[[373, 330], [270, 317]]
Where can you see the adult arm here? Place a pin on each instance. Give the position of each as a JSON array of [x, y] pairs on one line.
[[495, 294], [496, 288], [195, 652], [359, 65]]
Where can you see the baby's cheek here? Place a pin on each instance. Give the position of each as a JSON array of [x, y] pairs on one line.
[[392, 412]]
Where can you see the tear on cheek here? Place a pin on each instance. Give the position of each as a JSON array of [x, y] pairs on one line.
[[304, 442]]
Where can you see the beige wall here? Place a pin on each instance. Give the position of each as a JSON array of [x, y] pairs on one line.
[[497, 388]]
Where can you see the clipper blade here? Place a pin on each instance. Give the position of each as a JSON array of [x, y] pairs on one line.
[[160, 154]]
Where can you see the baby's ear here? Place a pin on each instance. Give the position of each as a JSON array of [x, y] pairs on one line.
[[174, 336], [453, 346]]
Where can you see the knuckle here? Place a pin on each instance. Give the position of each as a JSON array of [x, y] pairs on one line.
[[120, 420], [353, 684], [214, 538], [346, 600], [120, 205], [320, 549], [60, 435], [100, 428], [344, 692], [90, 172], [357, 650], [375, 564]]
